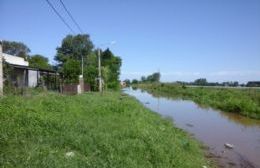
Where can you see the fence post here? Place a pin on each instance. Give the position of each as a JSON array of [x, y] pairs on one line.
[[81, 84]]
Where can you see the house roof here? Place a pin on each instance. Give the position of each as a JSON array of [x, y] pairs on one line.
[[15, 60], [34, 69]]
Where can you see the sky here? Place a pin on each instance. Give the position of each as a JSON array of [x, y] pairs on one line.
[[182, 39]]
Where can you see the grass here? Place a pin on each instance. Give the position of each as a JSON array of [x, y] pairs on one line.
[[112, 130], [245, 102]]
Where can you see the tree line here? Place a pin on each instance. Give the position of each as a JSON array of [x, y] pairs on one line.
[[155, 77], [204, 82], [69, 56]]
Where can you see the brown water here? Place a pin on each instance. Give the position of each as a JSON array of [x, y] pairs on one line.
[[212, 127]]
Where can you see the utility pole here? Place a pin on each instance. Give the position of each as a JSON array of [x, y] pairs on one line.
[[99, 67], [1, 69], [81, 79], [99, 71], [82, 65]]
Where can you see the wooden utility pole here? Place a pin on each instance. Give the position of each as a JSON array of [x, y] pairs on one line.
[[81, 78], [82, 66], [99, 72], [1, 69]]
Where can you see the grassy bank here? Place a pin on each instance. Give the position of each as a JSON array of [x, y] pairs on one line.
[[112, 130], [242, 101]]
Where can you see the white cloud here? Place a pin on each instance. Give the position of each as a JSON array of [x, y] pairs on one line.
[[112, 42]]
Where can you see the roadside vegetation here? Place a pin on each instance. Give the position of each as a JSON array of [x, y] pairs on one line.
[[74, 49], [74, 52], [245, 102], [90, 130]]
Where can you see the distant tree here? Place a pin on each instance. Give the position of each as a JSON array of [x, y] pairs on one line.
[[155, 77], [253, 84], [16, 48], [127, 82], [212, 84], [225, 84], [149, 78], [230, 83], [236, 84], [39, 61], [135, 81], [182, 83], [242, 85], [143, 79], [201, 82]]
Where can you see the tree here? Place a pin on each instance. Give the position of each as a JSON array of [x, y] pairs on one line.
[[201, 82], [106, 56], [70, 53], [127, 82], [91, 71], [112, 64], [39, 61], [143, 79], [16, 48], [135, 81], [105, 71], [155, 77], [74, 47], [90, 76], [71, 71]]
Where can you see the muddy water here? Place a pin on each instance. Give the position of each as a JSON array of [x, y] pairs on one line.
[[212, 127]]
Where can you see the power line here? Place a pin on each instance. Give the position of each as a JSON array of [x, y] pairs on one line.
[[68, 12], [57, 13]]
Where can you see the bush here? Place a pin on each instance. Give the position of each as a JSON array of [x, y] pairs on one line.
[[71, 71]]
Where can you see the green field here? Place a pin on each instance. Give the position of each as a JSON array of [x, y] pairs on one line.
[[112, 130], [245, 102]]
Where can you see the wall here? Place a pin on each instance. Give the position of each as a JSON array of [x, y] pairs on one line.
[[32, 78]]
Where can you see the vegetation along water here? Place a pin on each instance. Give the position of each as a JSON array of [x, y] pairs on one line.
[[245, 102]]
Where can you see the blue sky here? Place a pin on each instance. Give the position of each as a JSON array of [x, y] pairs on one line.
[[184, 39]]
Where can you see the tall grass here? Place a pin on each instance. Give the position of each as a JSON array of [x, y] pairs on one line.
[[241, 101], [112, 130]]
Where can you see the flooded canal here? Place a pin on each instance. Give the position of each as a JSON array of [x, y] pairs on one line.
[[212, 127]]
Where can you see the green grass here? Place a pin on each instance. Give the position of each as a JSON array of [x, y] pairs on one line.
[[112, 130], [245, 102]]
